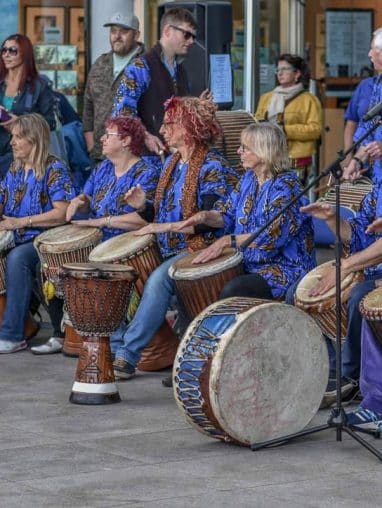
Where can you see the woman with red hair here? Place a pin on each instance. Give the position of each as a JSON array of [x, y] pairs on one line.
[[22, 91], [192, 179]]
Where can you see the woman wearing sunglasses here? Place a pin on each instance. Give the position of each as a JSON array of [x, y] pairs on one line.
[[22, 91], [295, 109]]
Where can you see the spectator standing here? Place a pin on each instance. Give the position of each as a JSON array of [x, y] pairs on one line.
[[105, 77]]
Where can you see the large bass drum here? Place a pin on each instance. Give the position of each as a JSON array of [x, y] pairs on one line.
[[249, 370]]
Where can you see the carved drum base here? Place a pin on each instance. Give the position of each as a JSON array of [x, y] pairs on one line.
[[94, 382], [72, 342]]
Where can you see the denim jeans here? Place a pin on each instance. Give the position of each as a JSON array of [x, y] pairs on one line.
[[20, 273], [129, 341], [351, 350]]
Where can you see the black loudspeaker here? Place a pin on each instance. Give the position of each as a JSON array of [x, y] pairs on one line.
[[214, 19]]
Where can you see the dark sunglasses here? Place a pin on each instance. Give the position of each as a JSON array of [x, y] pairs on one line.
[[187, 35], [12, 50]]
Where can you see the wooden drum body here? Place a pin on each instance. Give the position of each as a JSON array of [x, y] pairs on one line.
[[232, 123], [200, 285], [7, 241], [323, 307], [248, 370], [96, 298], [142, 253], [371, 310]]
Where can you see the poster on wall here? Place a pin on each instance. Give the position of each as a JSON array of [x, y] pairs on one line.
[[9, 19], [348, 36]]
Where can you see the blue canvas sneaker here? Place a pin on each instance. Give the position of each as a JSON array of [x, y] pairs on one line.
[[365, 419]]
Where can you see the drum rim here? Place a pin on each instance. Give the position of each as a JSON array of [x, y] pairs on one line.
[[146, 241], [98, 271], [369, 295], [7, 240], [94, 235], [195, 273]]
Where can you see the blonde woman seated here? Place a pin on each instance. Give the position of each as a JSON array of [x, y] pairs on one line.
[[34, 196]]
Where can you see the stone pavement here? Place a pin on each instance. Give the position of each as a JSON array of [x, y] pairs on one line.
[[141, 452]]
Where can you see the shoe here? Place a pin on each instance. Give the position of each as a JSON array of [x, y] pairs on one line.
[[9, 346], [349, 391], [123, 369], [52, 346], [167, 381], [364, 419]]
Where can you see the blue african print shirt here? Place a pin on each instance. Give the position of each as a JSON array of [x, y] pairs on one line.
[[375, 95], [212, 181], [371, 209], [107, 191], [360, 100], [22, 196], [285, 250]]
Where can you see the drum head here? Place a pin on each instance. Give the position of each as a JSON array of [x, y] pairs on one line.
[[120, 247], [184, 269], [99, 271], [372, 302], [249, 370], [7, 240], [311, 279], [66, 238]]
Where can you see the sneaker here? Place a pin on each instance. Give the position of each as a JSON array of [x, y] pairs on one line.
[[364, 419], [123, 369], [54, 345], [9, 346], [349, 390]]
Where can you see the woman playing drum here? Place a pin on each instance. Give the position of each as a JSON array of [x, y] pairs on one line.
[[191, 181], [284, 251], [103, 196], [34, 195]]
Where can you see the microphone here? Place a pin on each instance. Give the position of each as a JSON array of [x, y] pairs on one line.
[[374, 111]]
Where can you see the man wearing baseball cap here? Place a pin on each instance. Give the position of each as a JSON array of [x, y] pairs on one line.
[[105, 76]]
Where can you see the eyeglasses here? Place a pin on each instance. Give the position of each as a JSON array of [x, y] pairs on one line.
[[108, 134], [187, 35], [11, 50], [284, 69], [244, 148]]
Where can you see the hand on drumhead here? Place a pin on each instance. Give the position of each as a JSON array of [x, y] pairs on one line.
[[154, 228], [135, 197], [319, 210], [327, 281], [213, 251], [352, 170], [375, 226]]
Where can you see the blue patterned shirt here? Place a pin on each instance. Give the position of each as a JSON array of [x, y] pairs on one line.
[[212, 181], [285, 250], [107, 191], [23, 196]]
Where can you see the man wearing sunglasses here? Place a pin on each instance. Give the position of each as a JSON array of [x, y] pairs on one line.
[[157, 75]]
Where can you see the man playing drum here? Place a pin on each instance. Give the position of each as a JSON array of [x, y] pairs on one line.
[[357, 234], [191, 181]]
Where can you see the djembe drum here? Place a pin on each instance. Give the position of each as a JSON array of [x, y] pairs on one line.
[[96, 297], [232, 123], [141, 252], [200, 285], [371, 310], [323, 307], [248, 370], [57, 246]]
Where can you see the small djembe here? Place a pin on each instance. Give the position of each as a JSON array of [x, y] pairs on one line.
[[96, 298]]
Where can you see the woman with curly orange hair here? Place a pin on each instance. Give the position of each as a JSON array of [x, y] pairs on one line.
[[192, 180]]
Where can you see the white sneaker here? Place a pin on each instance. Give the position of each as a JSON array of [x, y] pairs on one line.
[[8, 346], [53, 345]]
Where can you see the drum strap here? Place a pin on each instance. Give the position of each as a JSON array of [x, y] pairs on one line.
[[189, 197]]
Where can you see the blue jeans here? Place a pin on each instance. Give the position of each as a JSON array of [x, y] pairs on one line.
[[129, 341], [20, 274], [351, 350]]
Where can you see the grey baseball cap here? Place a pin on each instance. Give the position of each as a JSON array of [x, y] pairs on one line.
[[128, 21]]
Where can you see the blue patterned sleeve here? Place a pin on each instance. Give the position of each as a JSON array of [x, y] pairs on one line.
[[89, 184], [212, 181], [134, 83], [59, 184], [366, 214], [227, 207]]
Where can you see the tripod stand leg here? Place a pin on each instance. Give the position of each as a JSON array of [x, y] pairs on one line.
[[289, 437], [363, 442]]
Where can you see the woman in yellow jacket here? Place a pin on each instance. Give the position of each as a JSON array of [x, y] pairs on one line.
[[295, 109]]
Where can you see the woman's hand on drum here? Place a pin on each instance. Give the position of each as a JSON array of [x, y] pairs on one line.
[[135, 197], [326, 281], [75, 204], [96, 223], [213, 251], [375, 226], [154, 228], [11, 223], [352, 170], [319, 210]]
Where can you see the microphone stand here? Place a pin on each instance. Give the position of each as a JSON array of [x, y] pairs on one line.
[[338, 418]]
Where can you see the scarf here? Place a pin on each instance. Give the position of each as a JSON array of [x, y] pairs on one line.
[[280, 97]]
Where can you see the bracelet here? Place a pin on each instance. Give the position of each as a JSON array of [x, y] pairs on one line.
[[30, 221], [357, 159], [108, 221], [233, 242]]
